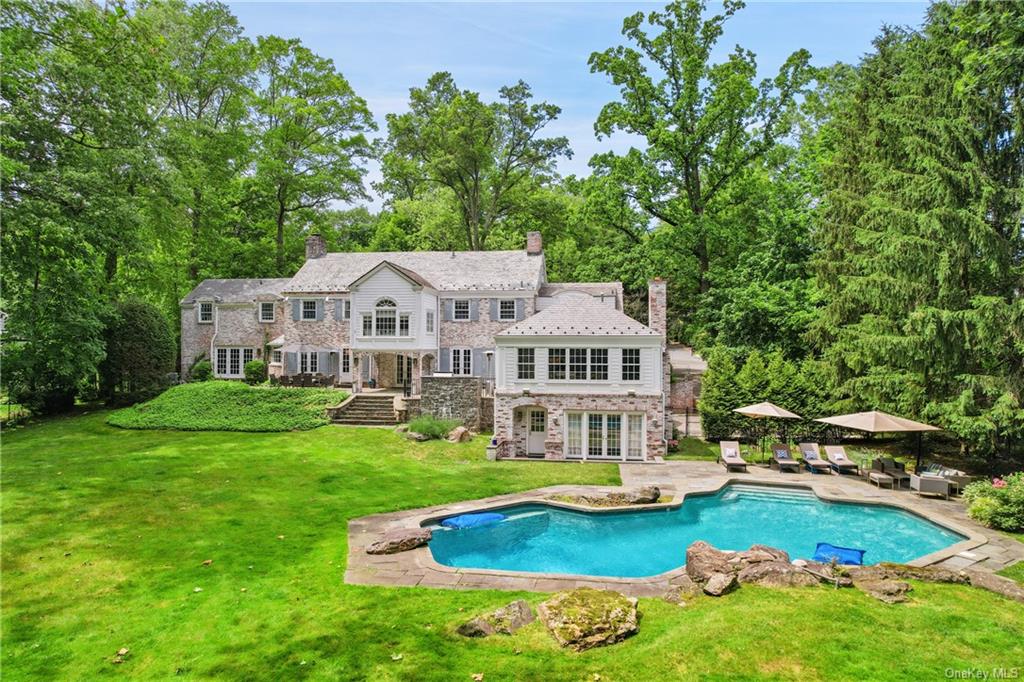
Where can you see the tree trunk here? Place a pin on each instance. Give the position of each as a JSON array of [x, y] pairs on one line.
[[280, 232], [193, 261]]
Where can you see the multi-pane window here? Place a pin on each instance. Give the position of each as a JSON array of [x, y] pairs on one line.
[[309, 310], [308, 363], [247, 355], [604, 435], [206, 312], [275, 357], [346, 310], [430, 321], [222, 361], [525, 363], [384, 317], [556, 363], [346, 361], [598, 364], [635, 448], [460, 309], [538, 421], [462, 361], [595, 435], [267, 311], [367, 324], [231, 361], [403, 324], [507, 309], [631, 364], [574, 435], [577, 364]]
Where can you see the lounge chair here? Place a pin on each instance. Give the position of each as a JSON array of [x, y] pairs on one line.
[[841, 464], [730, 455], [812, 459], [783, 459]]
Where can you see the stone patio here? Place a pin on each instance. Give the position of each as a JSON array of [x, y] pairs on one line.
[[983, 549]]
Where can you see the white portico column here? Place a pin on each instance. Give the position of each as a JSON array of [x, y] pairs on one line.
[[357, 372]]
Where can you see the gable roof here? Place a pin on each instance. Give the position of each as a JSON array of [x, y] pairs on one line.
[[579, 316], [445, 270], [235, 290], [606, 289], [412, 277]]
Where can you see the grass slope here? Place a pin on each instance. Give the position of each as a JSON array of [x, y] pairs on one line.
[[230, 406], [105, 532]]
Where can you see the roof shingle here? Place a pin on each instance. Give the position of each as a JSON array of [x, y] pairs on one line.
[[235, 290], [579, 316]]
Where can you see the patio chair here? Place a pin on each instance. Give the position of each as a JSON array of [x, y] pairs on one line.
[[929, 484], [729, 455], [783, 459], [892, 468], [840, 463], [812, 459], [284, 380]]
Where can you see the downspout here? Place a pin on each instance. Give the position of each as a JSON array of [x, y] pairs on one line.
[[213, 338]]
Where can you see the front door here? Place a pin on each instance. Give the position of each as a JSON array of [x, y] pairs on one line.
[[537, 422]]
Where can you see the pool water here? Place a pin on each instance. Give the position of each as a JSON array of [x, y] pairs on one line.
[[633, 544]]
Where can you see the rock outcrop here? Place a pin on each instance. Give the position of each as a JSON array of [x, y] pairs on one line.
[[401, 540], [720, 583], [505, 620], [585, 618], [704, 561]]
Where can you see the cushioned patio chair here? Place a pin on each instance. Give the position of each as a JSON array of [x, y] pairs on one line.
[[783, 459], [812, 459], [729, 455], [929, 484], [840, 463], [892, 468]]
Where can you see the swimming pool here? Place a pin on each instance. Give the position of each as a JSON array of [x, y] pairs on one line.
[[643, 543]]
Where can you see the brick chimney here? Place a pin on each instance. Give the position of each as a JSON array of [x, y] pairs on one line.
[[534, 244], [657, 305], [316, 247]]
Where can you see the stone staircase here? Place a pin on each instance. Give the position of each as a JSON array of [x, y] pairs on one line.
[[365, 409]]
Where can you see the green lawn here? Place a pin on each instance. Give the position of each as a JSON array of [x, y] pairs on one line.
[[105, 531]]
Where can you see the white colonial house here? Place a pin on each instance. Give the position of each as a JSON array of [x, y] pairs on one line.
[[557, 370]]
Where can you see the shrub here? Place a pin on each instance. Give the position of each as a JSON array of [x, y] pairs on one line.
[[998, 503], [202, 371], [139, 353], [255, 372], [231, 406], [432, 427]]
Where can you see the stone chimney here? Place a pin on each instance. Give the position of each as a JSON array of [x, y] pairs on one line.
[[316, 247], [534, 244], [657, 305]]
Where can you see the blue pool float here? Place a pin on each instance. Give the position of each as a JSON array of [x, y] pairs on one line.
[[473, 520], [846, 556]]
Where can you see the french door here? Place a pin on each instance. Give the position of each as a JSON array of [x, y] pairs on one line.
[[604, 435]]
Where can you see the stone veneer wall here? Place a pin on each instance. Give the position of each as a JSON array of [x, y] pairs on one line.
[[326, 333], [452, 398], [237, 325], [505, 406], [479, 333], [685, 391]]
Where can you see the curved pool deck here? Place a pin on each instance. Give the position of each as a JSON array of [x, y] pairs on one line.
[[980, 549]]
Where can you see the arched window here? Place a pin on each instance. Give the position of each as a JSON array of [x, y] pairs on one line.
[[385, 318]]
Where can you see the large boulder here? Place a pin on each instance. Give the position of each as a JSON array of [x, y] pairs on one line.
[[460, 434], [776, 574], [888, 571], [703, 561], [997, 583], [888, 591], [720, 583], [401, 540], [648, 494], [505, 620], [585, 618]]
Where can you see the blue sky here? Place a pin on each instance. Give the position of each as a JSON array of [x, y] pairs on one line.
[[385, 48]]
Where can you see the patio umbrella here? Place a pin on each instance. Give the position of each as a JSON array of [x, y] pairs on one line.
[[766, 410], [880, 422]]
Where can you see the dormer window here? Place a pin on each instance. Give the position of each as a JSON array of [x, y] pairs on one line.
[[206, 312]]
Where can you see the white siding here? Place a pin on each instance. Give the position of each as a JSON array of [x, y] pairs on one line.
[[650, 365]]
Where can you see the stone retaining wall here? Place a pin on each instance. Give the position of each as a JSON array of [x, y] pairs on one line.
[[456, 398]]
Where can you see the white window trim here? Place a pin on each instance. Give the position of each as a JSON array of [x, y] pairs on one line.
[[521, 365], [311, 358], [199, 312], [398, 318], [465, 352], [346, 309], [273, 311], [430, 321], [624, 433], [568, 364], [302, 310], [501, 312], [455, 310], [241, 361], [280, 359], [639, 366]]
